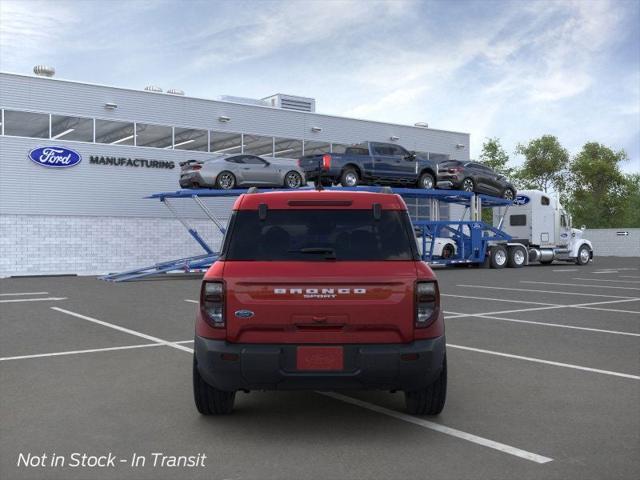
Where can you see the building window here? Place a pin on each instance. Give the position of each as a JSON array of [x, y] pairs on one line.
[[224, 142], [338, 148], [287, 148], [191, 139], [113, 132], [26, 124], [157, 136], [71, 128], [258, 145], [316, 148]]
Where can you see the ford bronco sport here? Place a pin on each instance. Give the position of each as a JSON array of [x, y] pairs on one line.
[[319, 290]]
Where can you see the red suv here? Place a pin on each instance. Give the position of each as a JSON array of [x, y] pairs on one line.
[[319, 290]]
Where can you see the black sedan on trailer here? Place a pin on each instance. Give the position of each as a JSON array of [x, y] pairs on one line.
[[474, 177]]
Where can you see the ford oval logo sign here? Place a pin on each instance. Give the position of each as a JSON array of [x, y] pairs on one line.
[[521, 200], [55, 157], [244, 313]]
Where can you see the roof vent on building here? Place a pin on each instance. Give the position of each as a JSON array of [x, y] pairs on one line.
[[175, 91], [421, 124], [44, 71], [292, 102], [153, 88]]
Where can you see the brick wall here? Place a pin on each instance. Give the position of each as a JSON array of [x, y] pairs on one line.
[[84, 245], [607, 242]]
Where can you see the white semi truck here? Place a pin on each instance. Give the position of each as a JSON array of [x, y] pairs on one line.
[[539, 226]]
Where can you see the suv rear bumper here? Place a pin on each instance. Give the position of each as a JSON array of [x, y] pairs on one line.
[[273, 367]]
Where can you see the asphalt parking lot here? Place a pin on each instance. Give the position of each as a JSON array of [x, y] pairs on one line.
[[544, 377]]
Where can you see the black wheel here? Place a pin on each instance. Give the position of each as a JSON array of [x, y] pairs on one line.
[[209, 400], [226, 180], [349, 178], [429, 401], [468, 185], [293, 179], [508, 194], [584, 255], [517, 257], [448, 251], [426, 181], [498, 257]]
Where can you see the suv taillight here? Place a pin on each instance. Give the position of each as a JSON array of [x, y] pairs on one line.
[[427, 303], [212, 303], [326, 161]]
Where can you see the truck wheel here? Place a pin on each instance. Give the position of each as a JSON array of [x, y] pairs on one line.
[[426, 181], [209, 400], [429, 401], [349, 178], [584, 254], [517, 257], [498, 257]]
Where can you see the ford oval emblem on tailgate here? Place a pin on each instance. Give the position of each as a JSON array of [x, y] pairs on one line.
[[56, 157], [244, 313]]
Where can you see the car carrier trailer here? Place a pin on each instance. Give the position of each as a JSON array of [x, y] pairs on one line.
[[532, 232]]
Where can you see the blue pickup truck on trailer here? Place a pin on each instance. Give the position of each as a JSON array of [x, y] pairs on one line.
[[372, 163]]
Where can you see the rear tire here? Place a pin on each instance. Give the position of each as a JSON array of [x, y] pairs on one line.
[[349, 178], [209, 400], [498, 257], [225, 180], [517, 257], [426, 182], [429, 401], [468, 185]]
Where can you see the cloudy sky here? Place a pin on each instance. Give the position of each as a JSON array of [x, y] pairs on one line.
[[509, 69]]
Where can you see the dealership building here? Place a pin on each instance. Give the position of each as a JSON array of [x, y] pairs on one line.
[[91, 217]]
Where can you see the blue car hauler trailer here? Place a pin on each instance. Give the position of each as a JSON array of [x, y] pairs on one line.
[[473, 240]]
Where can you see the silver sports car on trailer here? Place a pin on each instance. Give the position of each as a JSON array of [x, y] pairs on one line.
[[241, 170]]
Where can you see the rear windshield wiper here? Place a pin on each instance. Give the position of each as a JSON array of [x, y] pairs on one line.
[[329, 253]]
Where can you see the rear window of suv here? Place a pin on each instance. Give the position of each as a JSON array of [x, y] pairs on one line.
[[310, 235]]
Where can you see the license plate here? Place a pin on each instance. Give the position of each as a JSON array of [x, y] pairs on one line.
[[320, 358]]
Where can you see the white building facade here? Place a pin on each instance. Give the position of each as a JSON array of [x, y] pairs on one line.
[[92, 217]]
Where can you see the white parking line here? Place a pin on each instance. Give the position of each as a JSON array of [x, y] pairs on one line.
[[580, 285], [496, 299], [629, 276], [485, 442], [123, 329], [90, 350], [191, 301], [22, 293], [566, 270], [605, 280], [45, 299], [545, 324], [546, 362], [528, 290]]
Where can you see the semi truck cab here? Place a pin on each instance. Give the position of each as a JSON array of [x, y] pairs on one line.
[[540, 223]]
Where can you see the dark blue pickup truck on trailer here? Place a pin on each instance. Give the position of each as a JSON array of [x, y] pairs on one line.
[[371, 163]]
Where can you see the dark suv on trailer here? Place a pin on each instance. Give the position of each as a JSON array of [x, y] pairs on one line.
[[474, 177]]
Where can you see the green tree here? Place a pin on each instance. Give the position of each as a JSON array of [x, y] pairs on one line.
[[599, 193], [630, 216], [495, 157], [545, 164]]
